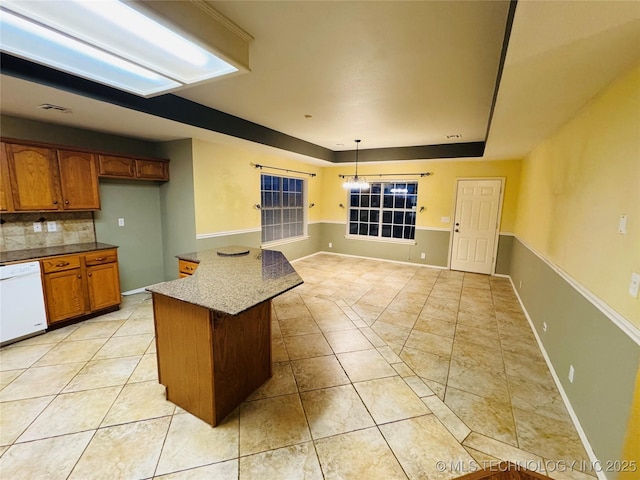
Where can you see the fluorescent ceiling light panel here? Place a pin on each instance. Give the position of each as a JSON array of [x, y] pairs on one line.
[[164, 60]]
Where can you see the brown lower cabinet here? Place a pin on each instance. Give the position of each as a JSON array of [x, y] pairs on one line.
[[79, 285], [186, 268]]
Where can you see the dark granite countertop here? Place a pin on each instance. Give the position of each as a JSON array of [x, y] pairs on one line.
[[36, 253], [232, 284]]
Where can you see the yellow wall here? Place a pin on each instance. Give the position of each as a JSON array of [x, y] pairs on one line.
[[226, 186], [436, 193], [575, 186]]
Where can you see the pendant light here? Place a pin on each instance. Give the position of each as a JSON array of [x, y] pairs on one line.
[[356, 182]]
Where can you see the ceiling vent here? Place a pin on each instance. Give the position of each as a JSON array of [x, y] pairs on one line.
[[50, 106]]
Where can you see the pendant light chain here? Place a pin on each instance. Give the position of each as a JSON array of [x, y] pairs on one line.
[[357, 144], [356, 182]]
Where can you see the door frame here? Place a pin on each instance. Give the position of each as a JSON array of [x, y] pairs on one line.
[[499, 220]]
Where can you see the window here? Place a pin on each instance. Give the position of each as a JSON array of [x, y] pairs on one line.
[[386, 210], [282, 202]]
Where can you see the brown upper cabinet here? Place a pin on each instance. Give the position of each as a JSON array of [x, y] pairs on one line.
[[111, 166], [6, 202], [78, 180], [134, 168], [44, 179], [33, 177], [38, 177]]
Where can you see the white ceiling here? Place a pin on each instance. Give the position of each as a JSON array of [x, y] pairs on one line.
[[391, 73]]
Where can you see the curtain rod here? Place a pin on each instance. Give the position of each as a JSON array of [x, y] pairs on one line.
[[424, 174], [257, 165]]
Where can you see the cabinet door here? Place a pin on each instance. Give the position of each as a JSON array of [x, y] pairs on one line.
[[111, 166], [104, 286], [78, 180], [6, 205], [64, 294], [151, 170], [34, 178]]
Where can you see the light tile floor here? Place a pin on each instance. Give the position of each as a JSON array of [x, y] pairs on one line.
[[382, 371]]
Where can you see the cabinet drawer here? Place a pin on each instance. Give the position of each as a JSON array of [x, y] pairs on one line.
[[187, 267], [98, 258], [59, 264]]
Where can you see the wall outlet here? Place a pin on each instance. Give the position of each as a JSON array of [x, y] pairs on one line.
[[544, 326], [423, 255], [445, 219], [571, 372], [622, 225], [52, 226], [121, 222], [520, 285], [634, 285], [330, 245], [37, 227]]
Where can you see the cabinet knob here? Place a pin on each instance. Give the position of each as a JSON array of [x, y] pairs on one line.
[[55, 202], [79, 276], [89, 274], [66, 202], [99, 259]]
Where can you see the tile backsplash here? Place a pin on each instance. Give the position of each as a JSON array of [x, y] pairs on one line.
[[17, 232]]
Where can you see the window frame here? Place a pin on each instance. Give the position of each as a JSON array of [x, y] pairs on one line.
[[264, 208], [379, 238]]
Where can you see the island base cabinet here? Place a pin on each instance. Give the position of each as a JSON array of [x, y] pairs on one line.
[[211, 362]]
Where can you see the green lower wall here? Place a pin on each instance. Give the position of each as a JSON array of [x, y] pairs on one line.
[[293, 250], [503, 260], [579, 334], [140, 240], [433, 243]]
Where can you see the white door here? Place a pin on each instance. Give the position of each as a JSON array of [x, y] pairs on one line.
[[476, 225]]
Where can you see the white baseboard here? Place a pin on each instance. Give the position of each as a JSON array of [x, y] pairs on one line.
[[380, 260], [133, 292]]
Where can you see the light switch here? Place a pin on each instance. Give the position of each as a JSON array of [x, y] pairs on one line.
[[622, 225], [121, 222], [52, 227]]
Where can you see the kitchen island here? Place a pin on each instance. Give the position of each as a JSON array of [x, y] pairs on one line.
[[213, 328]]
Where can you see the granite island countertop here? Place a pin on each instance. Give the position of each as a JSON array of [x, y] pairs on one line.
[[37, 253], [232, 284]]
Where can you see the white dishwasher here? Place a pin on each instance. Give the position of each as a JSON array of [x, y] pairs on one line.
[[22, 312]]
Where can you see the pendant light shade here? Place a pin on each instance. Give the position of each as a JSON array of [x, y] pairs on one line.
[[356, 182]]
